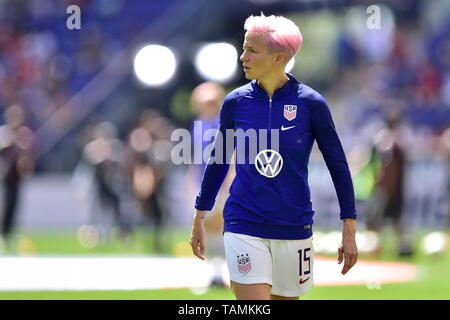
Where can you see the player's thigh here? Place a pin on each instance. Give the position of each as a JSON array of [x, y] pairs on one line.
[[257, 291], [293, 262], [248, 258]]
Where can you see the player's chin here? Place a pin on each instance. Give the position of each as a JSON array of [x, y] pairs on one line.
[[249, 76]]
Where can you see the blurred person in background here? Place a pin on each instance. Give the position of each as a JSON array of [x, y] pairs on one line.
[[268, 216], [146, 168], [205, 101], [103, 156], [444, 144], [16, 162], [387, 198]]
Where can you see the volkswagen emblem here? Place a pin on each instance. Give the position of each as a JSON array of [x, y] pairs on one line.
[[269, 163]]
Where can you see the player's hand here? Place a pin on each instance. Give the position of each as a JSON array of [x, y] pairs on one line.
[[348, 251], [198, 235]]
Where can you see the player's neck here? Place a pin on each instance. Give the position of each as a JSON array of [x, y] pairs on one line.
[[270, 84]]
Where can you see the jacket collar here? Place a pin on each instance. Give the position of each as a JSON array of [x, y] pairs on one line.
[[289, 84]]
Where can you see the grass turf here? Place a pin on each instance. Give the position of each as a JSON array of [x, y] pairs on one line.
[[432, 281]]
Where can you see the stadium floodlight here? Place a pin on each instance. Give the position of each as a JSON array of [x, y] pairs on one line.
[[216, 61], [155, 65]]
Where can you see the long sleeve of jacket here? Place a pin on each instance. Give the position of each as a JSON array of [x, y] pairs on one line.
[[324, 131]]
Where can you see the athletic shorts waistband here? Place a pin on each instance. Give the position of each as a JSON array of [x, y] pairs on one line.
[[269, 231]]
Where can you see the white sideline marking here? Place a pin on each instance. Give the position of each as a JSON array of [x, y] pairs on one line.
[[102, 273], [140, 273], [327, 272]]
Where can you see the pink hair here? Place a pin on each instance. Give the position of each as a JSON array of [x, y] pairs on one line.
[[279, 33]]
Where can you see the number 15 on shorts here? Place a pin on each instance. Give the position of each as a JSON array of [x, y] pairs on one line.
[[304, 264]]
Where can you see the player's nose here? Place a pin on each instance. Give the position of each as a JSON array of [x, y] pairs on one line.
[[243, 57]]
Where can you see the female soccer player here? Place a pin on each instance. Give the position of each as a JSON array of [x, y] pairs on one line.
[[268, 216]]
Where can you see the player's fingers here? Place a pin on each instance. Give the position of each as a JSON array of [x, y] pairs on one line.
[[198, 248], [202, 248], [349, 262], [198, 253], [346, 267], [340, 255], [194, 245]]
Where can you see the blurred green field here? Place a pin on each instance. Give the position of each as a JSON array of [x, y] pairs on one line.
[[431, 282]]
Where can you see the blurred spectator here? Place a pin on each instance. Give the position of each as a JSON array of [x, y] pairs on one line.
[[16, 162], [444, 146], [206, 100], [103, 155], [146, 167], [387, 198]]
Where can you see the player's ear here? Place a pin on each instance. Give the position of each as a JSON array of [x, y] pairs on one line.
[[280, 57]]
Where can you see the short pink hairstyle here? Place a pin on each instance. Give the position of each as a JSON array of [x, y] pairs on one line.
[[280, 33]]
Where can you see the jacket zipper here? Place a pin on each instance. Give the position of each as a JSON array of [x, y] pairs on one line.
[[270, 125]]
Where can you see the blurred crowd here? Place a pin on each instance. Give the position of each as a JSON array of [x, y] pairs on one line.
[[124, 180], [402, 75], [391, 103]]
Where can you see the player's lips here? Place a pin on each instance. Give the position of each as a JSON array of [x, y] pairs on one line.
[[246, 68]]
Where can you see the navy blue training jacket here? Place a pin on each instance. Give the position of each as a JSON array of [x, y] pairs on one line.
[[276, 205]]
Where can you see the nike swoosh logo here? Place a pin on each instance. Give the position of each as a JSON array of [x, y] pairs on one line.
[[303, 281], [286, 128]]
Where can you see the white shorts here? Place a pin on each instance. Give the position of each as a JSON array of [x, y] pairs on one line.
[[287, 265]]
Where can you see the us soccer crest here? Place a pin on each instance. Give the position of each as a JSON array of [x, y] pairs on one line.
[[244, 264], [290, 111]]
